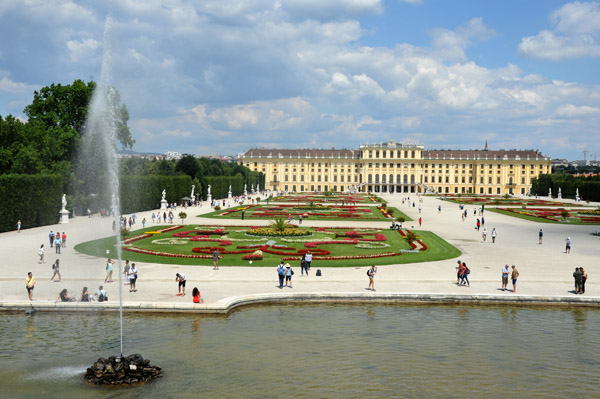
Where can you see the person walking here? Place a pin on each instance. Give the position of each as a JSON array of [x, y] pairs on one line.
[[216, 259], [484, 235], [505, 272], [180, 278], [63, 239], [494, 233], [19, 226], [41, 254], [540, 237], [584, 278], [56, 270], [57, 243], [109, 271], [51, 237], [478, 224], [514, 275], [420, 222], [464, 274], [30, 285], [578, 276], [303, 267], [458, 269], [568, 245], [371, 274], [288, 275], [281, 273], [133, 275]]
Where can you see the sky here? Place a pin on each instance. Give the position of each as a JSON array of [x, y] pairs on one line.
[[220, 77]]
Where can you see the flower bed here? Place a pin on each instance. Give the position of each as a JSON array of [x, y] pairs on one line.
[[359, 243]]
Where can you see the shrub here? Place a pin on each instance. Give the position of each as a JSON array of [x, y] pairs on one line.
[[217, 208]]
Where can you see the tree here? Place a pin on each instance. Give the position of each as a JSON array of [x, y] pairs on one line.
[[63, 110], [189, 165]]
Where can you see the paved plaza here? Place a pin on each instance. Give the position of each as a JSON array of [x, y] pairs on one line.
[[545, 270]]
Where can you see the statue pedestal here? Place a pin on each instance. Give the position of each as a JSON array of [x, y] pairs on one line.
[[163, 204], [64, 216], [559, 196], [229, 194], [209, 198]]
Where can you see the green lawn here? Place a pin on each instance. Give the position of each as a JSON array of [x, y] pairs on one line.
[[322, 212], [437, 249], [570, 220]]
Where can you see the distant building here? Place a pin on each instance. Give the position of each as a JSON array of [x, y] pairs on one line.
[[394, 167], [223, 158], [172, 155]]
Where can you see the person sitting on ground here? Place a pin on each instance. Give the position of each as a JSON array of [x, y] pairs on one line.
[[196, 296], [85, 295], [101, 294], [64, 297]]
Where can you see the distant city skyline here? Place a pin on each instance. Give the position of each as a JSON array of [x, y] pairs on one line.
[[214, 77]]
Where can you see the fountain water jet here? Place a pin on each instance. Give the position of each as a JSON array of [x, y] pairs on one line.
[[101, 133]]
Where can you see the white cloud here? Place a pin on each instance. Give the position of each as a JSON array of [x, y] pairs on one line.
[[570, 110], [548, 46], [83, 50], [575, 34], [577, 17]]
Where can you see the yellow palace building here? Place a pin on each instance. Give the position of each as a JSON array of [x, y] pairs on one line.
[[398, 168]]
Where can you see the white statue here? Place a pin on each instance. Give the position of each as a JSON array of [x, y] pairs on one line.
[[164, 195], [209, 189], [550, 192], [230, 188], [257, 187], [193, 188], [64, 201]]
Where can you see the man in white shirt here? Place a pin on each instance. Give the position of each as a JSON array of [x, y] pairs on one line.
[[180, 278]]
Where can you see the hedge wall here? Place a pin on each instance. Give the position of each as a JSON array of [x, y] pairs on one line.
[[142, 193], [219, 185], [34, 199]]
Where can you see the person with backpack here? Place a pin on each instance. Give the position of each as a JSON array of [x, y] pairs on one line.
[[281, 273], [56, 270], [371, 273], [101, 294], [464, 272], [303, 266], [288, 275]]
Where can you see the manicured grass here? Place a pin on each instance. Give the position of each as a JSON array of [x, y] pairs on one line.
[[569, 220], [357, 198], [437, 249], [500, 201], [323, 212]]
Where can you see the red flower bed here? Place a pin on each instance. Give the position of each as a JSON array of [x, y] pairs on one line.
[[252, 257]]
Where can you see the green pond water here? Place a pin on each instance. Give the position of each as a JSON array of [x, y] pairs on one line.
[[314, 351]]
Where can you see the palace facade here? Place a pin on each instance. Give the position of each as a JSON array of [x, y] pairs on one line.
[[394, 167]]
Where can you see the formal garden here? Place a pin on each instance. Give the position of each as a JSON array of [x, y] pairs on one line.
[[504, 201], [267, 245], [311, 211], [553, 215], [330, 198]]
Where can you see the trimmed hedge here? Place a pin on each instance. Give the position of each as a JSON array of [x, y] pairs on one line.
[[142, 193], [219, 185], [34, 199]]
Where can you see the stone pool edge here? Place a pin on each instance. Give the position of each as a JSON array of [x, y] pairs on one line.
[[227, 305]]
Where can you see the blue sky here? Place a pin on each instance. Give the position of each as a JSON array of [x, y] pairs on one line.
[[219, 77]]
